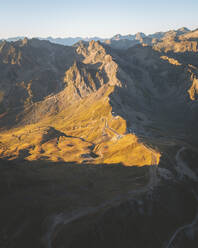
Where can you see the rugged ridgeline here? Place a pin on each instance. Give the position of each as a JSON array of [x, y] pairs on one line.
[[170, 40], [117, 41], [96, 105]]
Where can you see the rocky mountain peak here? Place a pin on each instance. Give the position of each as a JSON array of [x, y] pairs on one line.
[[139, 36], [24, 41]]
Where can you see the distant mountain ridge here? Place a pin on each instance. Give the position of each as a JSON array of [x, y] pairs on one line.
[[69, 41]]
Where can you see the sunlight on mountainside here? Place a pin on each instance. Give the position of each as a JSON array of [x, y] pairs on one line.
[[193, 91], [66, 110], [85, 132], [96, 138]]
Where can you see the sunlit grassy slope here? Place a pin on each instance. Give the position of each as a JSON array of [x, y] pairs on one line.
[[85, 131]]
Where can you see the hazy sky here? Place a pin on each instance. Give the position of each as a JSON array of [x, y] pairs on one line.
[[63, 18]]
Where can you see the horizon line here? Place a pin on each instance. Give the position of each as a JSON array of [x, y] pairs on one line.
[[88, 37]]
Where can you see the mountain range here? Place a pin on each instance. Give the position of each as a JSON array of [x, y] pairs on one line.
[[132, 37], [98, 141]]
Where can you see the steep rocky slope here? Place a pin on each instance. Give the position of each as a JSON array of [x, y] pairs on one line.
[[163, 91], [30, 71]]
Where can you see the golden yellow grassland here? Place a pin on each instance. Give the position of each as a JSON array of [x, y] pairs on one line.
[[89, 133]]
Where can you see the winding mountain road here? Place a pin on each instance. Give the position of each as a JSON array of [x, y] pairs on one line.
[[188, 227]]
